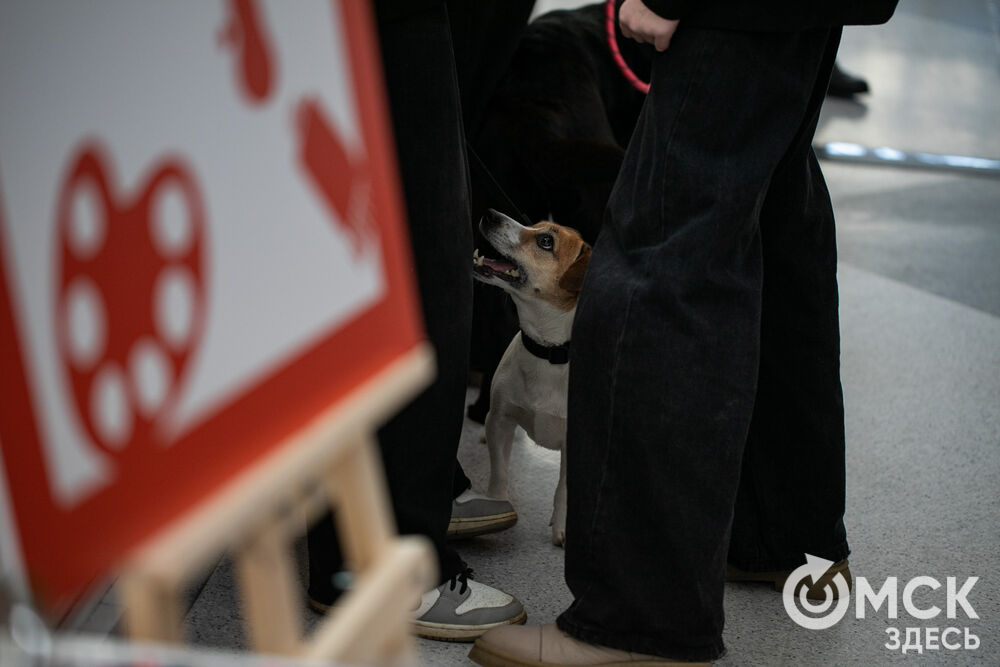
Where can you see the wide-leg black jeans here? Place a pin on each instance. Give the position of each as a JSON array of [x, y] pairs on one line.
[[705, 406]]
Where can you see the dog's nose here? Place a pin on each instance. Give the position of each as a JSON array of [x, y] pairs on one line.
[[491, 218]]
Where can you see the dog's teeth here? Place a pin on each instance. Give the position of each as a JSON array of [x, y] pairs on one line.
[[475, 253], [514, 273]]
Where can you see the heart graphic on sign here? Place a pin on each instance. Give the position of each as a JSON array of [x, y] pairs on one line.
[[342, 183], [131, 295]]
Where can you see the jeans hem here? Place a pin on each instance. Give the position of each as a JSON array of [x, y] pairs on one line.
[[639, 643]]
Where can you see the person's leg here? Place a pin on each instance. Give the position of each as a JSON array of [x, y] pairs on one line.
[[419, 444], [791, 494], [666, 341], [485, 34]]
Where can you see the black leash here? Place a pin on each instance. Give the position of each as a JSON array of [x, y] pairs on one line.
[[476, 162]]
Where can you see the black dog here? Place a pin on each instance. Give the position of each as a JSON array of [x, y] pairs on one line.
[[553, 137]]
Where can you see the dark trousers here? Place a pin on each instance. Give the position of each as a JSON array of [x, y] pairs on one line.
[[705, 406], [419, 445]]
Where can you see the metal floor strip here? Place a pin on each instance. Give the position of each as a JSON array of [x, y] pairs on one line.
[[844, 151]]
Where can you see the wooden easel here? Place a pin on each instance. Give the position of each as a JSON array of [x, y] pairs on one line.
[[332, 461]]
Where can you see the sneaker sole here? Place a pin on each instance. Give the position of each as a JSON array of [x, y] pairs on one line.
[[442, 631], [481, 525], [460, 633], [487, 656]]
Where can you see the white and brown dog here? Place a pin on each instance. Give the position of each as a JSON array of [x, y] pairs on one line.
[[542, 268]]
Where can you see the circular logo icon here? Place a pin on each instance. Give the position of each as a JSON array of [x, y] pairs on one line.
[[827, 615]]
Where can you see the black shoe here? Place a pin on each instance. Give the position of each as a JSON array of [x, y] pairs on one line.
[[845, 85], [477, 411]]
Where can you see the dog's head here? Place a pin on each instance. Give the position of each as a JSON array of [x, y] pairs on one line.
[[545, 261]]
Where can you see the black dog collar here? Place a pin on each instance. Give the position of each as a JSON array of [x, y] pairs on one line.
[[554, 354]]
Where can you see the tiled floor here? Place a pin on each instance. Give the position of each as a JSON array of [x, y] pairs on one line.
[[920, 290]]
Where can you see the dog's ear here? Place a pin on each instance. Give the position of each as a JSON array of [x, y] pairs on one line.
[[572, 280]]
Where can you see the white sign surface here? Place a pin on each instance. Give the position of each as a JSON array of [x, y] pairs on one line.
[[146, 83]]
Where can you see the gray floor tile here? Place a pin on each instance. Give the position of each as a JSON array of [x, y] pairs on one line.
[[937, 232]]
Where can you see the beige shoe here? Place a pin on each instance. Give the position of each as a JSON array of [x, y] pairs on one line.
[[548, 646], [817, 591]]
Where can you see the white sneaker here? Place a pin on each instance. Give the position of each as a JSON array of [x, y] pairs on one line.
[[475, 514], [460, 610]]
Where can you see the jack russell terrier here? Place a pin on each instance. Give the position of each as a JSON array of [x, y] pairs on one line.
[[542, 268]]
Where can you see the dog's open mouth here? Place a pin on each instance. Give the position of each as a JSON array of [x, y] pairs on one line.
[[504, 269]]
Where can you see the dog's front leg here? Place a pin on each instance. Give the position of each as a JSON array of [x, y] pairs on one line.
[[500, 440], [558, 522]]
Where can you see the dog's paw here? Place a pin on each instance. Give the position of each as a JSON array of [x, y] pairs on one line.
[[558, 525]]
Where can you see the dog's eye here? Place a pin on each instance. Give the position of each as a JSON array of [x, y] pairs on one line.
[[546, 242]]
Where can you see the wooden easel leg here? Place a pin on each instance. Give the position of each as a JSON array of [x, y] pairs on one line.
[[334, 459], [371, 622], [400, 644], [364, 518], [152, 608], [270, 598]]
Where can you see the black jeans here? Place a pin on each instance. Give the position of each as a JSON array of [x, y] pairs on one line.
[[419, 445], [705, 406]]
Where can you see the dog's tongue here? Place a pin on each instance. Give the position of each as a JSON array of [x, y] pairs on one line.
[[497, 265]]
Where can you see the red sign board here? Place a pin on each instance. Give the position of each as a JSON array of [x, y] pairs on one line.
[[201, 249]]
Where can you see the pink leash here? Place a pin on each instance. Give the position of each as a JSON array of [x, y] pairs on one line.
[[609, 25]]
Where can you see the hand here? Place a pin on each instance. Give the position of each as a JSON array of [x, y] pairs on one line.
[[642, 24]]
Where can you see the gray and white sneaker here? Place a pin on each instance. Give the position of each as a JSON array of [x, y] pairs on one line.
[[475, 514], [460, 610]]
